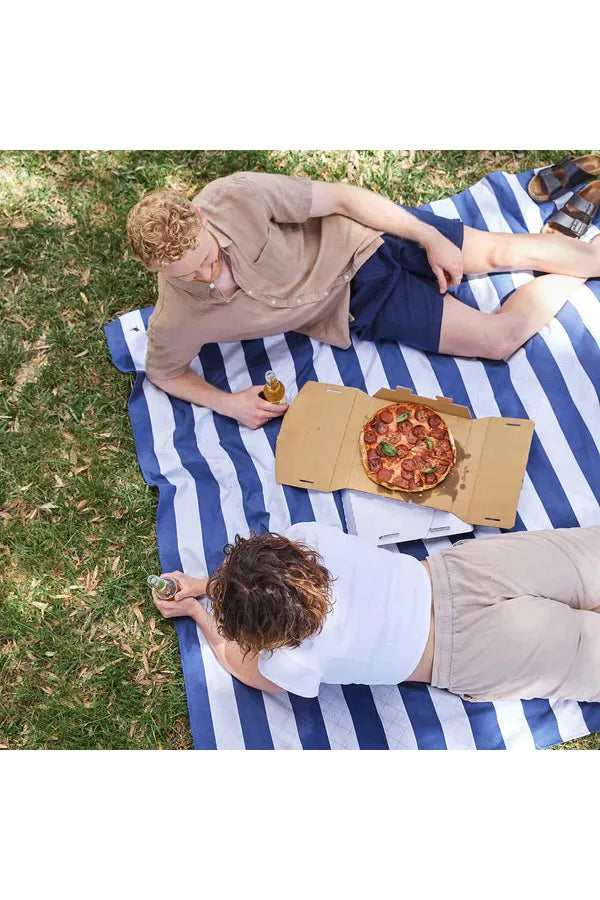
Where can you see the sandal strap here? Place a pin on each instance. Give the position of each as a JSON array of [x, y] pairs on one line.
[[568, 224], [552, 185], [587, 209], [575, 176]]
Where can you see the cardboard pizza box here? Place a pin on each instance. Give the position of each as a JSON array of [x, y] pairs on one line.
[[383, 521], [318, 448]]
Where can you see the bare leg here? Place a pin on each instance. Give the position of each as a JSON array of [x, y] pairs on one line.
[[485, 251], [469, 332]]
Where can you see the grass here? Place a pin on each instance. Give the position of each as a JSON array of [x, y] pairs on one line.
[[84, 661]]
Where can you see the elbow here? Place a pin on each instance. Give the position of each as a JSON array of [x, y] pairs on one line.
[[267, 688], [343, 204], [330, 198], [163, 383]]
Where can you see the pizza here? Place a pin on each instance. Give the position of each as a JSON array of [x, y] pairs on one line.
[[407, 447]]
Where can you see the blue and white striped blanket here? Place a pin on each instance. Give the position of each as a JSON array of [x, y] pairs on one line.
[[216, 479]]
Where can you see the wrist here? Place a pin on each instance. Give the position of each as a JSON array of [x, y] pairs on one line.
[[196, 610], [428, 236], [200, 586], [202, 617], [222, 402]]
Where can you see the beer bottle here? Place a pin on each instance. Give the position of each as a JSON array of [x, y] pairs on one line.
[[165, 586], [274, 391]]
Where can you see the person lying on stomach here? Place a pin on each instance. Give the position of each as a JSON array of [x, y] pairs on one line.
[[255, 254], [508, 617]]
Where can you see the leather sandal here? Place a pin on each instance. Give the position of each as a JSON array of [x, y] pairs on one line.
[[554, 180], [577, 213]]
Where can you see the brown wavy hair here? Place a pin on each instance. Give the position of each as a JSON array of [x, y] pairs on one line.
[[270, 592], [162, 227]]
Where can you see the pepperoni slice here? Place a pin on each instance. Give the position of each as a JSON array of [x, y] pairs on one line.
[[370, 437], [417, 479], [434, 421], [430, 479], [441, 470], [401, 482], [421, 414], [438, 432], [405, 427], [409, 464], [402, 451], [385, 474], [420, 462], [372, 453], [444, 445], [381, 428], [411, 439], [419, 431], [400, 410], [386, 416], [375, 463]]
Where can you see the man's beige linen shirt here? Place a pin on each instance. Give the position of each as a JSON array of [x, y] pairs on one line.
[[293, 272]]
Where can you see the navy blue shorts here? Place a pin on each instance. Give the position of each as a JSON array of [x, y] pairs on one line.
[[395, 296]]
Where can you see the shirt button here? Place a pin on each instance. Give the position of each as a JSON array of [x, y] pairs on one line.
[[250, 294], [346, 278], [272, 302], [326, 294], [298, 300]]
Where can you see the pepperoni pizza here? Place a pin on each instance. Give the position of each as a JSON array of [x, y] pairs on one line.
[[407, 447]]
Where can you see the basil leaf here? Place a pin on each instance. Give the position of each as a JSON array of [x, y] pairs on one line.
[[429, 471], [404, 416], [388, 449], [429, 443]]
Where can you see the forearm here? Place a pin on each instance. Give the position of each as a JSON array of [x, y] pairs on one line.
[[376, 211], [207, 623], [194, 389], [242, 666], [227, 652]]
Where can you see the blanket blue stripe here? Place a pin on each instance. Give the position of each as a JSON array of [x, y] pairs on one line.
[[216, 478]]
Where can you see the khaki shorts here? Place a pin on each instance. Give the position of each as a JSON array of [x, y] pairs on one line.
[[517, 616]]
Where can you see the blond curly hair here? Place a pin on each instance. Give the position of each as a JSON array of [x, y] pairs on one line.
[[162, 227]]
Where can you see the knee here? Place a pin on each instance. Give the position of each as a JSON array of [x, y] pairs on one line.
[[505, 337], [501, 253]]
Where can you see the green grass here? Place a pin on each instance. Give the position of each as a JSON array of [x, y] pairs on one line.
[[84, 661]]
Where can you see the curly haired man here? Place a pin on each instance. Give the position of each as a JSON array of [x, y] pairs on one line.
[[256, 254]]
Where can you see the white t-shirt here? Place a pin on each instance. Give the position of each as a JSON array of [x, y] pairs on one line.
[[378, 628]]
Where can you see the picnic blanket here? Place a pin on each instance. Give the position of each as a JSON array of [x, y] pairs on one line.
[[216, 478]]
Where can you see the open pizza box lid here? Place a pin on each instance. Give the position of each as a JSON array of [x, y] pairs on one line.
[[318, 448]]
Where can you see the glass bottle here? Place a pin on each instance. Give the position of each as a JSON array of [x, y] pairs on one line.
[[274, 391], [165, 586]]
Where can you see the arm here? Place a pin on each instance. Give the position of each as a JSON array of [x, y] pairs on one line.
[[170, 349], [244, 668], [378, 212], [245, 406]]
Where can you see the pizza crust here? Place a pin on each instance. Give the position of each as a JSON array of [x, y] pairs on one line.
[[410, 446]]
